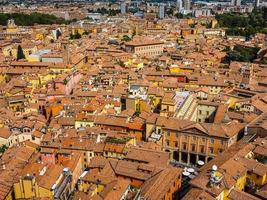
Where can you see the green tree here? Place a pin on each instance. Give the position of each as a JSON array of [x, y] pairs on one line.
[[243, 24], [179, 15], [170, 12], [3, 148], [20, 53], [241, 54], [158, 68], [121, 63], [86, 33], [192, 25], [182, 16], [126, 38], [104, 11], [23, 19], [76, 35], [134, 33]]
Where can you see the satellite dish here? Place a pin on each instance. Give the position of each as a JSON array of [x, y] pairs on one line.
[[214, 167], [186, 173], [200, 162], [191, 170]]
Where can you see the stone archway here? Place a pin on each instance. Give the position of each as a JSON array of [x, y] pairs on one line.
[[176, 156], [209, 159]]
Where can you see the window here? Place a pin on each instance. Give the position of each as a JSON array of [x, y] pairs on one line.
[[208, 112], [212, 141], [184, 146], [203, 139], [220, 150], [193, 147], [222, 142], [200, 112], [168, 133], [167, 142], [202, 148], [211, 150], [194, 138], [177, 135], [33, 138], [176, 144]]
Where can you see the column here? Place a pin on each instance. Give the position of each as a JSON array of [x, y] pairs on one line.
[[171, 154], [188, 158]]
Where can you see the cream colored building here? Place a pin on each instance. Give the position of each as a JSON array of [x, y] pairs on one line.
[[206, 111], [145, 48]]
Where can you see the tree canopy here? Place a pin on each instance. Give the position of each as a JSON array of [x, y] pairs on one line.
[[244, 24], [23, 19], [76, 35], [241, 54], [183, 16], [104, 11], [126, 38], [3, 148]]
